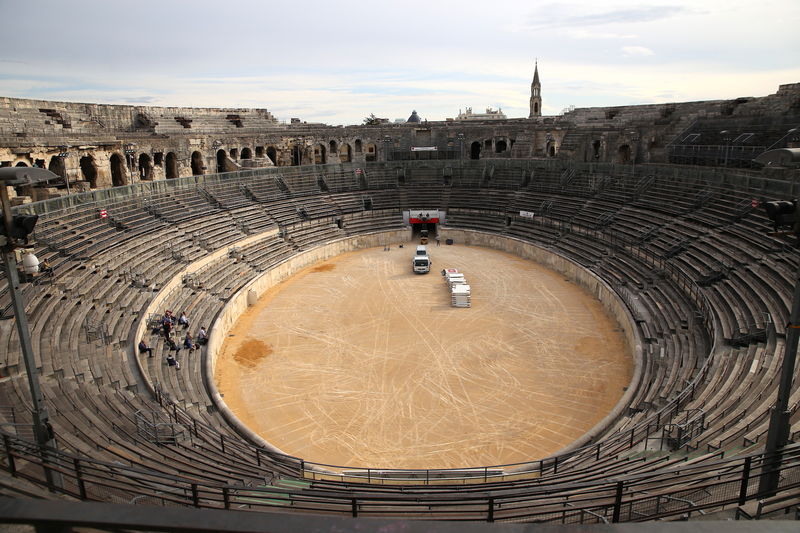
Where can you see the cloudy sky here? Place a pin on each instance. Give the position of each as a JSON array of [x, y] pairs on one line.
[[337, 61]]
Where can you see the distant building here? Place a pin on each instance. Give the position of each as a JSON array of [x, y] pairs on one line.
[[414, 117], [491, 114]]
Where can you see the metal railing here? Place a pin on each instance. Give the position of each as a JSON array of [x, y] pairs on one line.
[[656, 494]]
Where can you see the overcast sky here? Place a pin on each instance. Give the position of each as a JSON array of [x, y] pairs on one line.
[[337, 61]]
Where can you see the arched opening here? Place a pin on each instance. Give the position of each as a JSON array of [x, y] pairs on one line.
[[500, 146], [624, 154], [172, 166], [246, 153], [222, 159], [118, 175], [358, 146], [372, 154], [21, 164], [234, 153], [57, 166], [297, 155], [273, 155], [145, 168], [596, 149], [345, 153], [260, 152], [319, 154], [536, 107], [551, 150], [89, 170], [475, 150], [197, 164], [334, 147]]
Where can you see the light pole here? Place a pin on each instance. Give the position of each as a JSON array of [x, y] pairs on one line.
[[130, 151], [63, 156], [42, 429], [726, 138], [635, 140]]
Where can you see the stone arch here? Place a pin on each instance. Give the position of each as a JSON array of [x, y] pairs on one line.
[[345, 153], [234, 153], [272, 153], [145, 167], [475, 150], [624, 153], [372, 153], [246, 153], [358, 146], [319, 154], [118, 174], [89, 170], [21, 164], [596, 149], [222, 159], [334, 147], [58, 167], [500, 146], [171, 165], [197, 164], [259, 152]]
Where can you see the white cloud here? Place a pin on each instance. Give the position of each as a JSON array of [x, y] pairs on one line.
[[586, 34], [636, 51]]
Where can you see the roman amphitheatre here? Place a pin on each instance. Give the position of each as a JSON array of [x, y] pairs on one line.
[[620, 258]]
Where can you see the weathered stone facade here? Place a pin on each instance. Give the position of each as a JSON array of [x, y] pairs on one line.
[[94, 145]]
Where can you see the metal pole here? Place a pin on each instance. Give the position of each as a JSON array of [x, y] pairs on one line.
[[41, 420], [779, 427]]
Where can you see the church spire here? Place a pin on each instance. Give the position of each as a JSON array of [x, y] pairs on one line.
[[536, 93]]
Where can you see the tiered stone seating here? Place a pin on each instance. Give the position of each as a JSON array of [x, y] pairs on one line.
[[95, 391]]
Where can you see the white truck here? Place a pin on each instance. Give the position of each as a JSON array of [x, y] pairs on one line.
[[421, 262]]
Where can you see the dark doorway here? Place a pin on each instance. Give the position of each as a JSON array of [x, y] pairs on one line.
[[297, 155], [358, 146], [273, 155], [222, 158], [624, 154], [89, 170], [117, 171], [500, 147], [172, 166], [197, 164], [21, 164], [57, 166], [145, 168], [475, 150], [246, 153], [234, 153]]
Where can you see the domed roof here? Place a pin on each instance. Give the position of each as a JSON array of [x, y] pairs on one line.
[[414, 117]]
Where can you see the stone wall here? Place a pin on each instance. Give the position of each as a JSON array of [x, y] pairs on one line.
[[95, 145]]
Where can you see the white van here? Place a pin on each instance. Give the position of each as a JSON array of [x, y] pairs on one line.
[[421, 264], [422, 250]]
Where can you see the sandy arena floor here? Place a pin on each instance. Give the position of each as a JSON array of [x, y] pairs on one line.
[[357, 361]]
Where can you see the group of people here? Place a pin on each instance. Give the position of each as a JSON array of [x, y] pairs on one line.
[[167, 324]]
